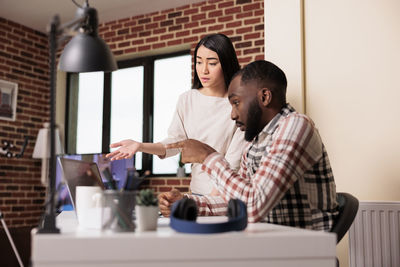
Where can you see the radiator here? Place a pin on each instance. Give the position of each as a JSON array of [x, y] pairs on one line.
[[374, 237]]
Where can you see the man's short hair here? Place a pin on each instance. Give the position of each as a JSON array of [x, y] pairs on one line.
[[266, 75]]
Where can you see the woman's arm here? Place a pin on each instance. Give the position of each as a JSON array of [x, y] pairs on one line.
[[127, 148]]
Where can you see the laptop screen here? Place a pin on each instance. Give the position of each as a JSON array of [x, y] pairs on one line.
[[79, 173]]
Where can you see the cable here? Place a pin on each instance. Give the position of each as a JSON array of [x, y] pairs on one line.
[[11, 240], [78, 5]]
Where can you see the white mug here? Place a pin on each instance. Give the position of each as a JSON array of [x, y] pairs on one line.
[[88, 206]]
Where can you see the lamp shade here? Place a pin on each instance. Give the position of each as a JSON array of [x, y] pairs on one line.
[[86, 53], [42, 145]]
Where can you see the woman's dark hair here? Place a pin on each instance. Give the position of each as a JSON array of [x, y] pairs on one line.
[[221, 45]]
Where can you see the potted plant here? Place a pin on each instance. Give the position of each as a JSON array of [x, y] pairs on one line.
[[146, 210], [180, 172]]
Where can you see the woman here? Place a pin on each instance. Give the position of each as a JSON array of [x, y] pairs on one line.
[[202, 113]]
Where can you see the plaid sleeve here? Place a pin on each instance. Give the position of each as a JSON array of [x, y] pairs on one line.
[[294, 148], [210, 205]]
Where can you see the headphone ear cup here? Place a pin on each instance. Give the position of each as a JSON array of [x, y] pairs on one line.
[[186, 209], [233, 208]]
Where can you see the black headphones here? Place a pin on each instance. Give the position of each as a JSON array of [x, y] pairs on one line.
[[184, 215]]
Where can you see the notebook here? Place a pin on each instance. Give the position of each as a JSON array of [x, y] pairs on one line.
[[79, 173]]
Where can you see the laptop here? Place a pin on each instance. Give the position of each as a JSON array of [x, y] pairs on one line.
[[79, 173]]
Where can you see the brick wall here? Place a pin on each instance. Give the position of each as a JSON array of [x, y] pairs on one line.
[[241, 20], [165, 184], [24, 57], [23, 60]]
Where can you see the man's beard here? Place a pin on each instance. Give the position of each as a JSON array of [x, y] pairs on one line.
[[253, 121]]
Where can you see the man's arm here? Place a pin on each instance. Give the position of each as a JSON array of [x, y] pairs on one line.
[[296, 146]]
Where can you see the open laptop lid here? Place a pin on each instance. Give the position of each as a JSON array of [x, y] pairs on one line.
[[79, 173]]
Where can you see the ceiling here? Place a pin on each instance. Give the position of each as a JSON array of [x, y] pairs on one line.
[[36, 14]]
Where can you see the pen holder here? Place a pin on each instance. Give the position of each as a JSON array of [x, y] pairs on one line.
[[118, 211]]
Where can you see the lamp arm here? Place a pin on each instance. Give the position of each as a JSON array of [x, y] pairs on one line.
[[68, 29]]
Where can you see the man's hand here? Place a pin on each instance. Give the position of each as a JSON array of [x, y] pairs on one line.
[[193, 151], [165, 201]]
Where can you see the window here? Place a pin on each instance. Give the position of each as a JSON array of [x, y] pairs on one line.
[[135, 102]]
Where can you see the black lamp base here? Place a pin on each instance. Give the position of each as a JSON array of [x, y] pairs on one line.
[[48, 225]]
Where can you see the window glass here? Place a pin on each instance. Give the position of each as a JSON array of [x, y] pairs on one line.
[[90, 113], [172, 77], [127, 107]]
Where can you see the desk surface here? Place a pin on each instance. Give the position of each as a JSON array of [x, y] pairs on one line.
[[261, 244]]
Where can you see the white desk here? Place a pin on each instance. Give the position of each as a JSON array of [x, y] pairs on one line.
[[259, 245]]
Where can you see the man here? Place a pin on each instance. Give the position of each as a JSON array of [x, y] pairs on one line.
[[285, 175]]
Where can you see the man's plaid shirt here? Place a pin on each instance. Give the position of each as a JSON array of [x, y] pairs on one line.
[[285, 176]]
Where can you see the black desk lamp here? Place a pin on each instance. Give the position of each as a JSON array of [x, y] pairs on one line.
[[86, 52]]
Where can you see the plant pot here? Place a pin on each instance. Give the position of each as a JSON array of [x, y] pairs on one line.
[[180, 172], [146, 218]]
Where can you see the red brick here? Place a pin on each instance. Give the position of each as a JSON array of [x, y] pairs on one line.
[[225, 19], [183, 7], [123, 31], [244, 15], [251, 7], [259, 57], [175, 28], [227, 32], [151, 26], [207, 8], [182, 33], [234, 24], [144, 34], [215, 28], [182, 189], [164, 189], [152, 39], [131, 36], [174, 42], [251, 51], [191, 11], [199, 30], [173, 182], [182, 20], [166, 23], [144, 21], [130, 50], [252, 36], [207, 21], [191, 25], [259, 42], [252, 21], [137, 28], [159, 45], [167, 36], [234, 10], [157, 182], [159, 30], [225, 4], [160, 17], [198, 17], [244, 30], [130, 23], [116, 27], [259, 13], [186, 182], [190, 40], [124, 44]]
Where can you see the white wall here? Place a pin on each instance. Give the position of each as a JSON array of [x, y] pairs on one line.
[[351, 74]]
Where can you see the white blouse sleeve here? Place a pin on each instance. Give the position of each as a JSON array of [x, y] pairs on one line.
[[176, 130], [235, 149]]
